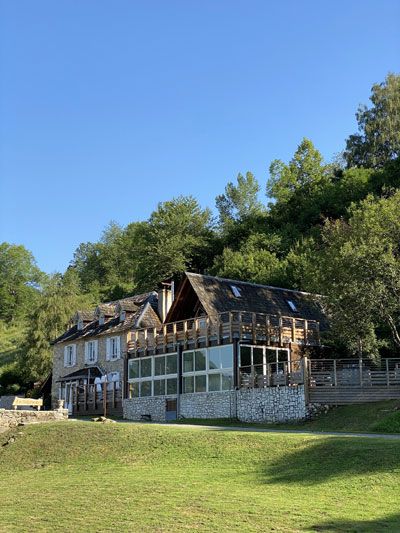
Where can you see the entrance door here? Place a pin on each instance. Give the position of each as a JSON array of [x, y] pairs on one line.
[[69, 397], [170, 409]]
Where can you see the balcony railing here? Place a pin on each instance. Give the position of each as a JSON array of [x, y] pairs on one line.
[[271, 375], [254, 328]]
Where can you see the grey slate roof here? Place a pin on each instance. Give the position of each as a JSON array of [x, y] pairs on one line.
[[134, 306], [216, 296]]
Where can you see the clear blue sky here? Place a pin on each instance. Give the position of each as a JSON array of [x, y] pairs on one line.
[[108, 107]]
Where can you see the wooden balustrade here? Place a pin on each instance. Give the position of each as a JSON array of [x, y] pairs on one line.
[[254, 328]]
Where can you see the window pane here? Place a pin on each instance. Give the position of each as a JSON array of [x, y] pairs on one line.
[[159, 366], [133, 390], [282, 356], [172, 386], [200, 360], [145, 388], [270, 356], [214, 382], [145, 369], [159, 387], [213, 358], [172, 364], [245, 356], [134, 369], [257, 356], [200, 383], [226, 356], [188, 362], [188, 385], [226, 381]]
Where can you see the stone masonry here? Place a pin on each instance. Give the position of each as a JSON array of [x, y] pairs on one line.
[[13, 418], [274, 404]]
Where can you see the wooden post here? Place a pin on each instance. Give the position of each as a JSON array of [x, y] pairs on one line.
[[113, 394], [293, 330], [207, 331], [254, 326], [230, 327], [105, 399], [85, 397], [306, 378], [267, 328], [387, 372], [280, 330], [334, 373], [174, 332], [185, 334], [305, 331], [165, 341]]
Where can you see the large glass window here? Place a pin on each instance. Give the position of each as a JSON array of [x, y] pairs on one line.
[[208, 369], [153, 376], [262, 360]]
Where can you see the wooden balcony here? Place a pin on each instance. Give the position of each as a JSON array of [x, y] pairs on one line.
[[253, 328]]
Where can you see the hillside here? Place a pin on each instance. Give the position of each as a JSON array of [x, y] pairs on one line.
[[83, 476], [11, 337]]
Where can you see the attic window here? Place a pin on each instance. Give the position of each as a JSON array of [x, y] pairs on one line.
[[80, 324], [292, 305], [236, 291], [122, 316], [101, 320]]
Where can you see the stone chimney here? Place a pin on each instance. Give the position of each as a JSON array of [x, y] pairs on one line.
[[165, 298]]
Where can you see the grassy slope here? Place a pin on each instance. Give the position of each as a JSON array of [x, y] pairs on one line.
[[81, 476], [376, 417], [10, 340]]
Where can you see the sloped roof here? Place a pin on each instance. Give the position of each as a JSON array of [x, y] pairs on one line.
[[134, 305], [216, 295]]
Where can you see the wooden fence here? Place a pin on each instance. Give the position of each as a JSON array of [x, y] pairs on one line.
[[102, 398]]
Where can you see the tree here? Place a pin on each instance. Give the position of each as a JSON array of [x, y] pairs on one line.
[[178, 236], [305, 172], [253, 262], [359, 272], [19, 279], [378, 140], [60, 298], [239, 201]]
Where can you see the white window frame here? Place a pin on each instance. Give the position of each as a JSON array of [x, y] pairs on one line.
[[265, 350], [113, 348], [152, 377], [91, 351], [208, 371], [69, 355]]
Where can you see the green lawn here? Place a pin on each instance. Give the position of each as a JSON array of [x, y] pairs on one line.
[[84, 476], [375, 417]]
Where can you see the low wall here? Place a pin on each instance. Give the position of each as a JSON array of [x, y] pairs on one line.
[[274, 404], [11, 418], [208, 405], [134, 408]]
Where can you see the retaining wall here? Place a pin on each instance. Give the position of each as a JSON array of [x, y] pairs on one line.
[[274, 404], [13, 418]]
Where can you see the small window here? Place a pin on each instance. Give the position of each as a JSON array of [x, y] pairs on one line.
[[101, 320], [122, 316], [236, 291], [292, 305]]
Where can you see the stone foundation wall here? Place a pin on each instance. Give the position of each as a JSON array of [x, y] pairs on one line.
[[208, 405], [13, 418], [134, 408], [274, 404]]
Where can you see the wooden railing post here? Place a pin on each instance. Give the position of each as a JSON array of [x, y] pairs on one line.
[[254, 326], [280, 330], [387, 373], [293, 330], [231, 328], [268, 329], [306, 378], [305, 332]]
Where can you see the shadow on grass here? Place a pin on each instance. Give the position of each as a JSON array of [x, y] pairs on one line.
[[387, 523], [321, 460]]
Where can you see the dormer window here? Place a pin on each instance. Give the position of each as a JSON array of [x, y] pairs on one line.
[[292, 305], [101, 320], [80, 324], [122, 316], [236, 291]]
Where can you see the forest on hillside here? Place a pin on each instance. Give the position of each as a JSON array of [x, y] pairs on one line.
[[327, 227]]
